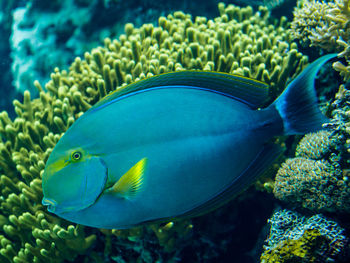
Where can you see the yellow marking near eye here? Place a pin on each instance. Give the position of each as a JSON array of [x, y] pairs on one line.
[[56, 166]]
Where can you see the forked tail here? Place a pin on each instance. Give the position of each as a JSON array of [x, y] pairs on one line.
[[297, 105]]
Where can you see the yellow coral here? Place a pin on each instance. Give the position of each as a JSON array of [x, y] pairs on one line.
[[306, 249]]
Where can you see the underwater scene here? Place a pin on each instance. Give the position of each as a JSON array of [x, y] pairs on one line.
[[175, 131]]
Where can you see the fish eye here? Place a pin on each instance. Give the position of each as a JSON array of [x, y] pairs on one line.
[[76, 156]]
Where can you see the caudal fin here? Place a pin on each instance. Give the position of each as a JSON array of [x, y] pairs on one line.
[[297, 105]]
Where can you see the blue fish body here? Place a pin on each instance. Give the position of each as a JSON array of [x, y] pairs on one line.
[[171, 147]]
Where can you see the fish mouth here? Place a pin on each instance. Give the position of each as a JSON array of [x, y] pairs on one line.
[[50, 203]]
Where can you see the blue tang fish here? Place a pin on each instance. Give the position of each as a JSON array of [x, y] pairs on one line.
[[176, 145]]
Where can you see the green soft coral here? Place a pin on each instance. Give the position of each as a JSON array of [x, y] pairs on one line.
[[239, 41], [29, 233]]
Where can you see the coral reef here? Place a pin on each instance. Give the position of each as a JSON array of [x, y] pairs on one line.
[[306, 249], [311, 184], [325, 25], [317, 23], [317, 178], [315, 145], [239, 41], [296, 238]]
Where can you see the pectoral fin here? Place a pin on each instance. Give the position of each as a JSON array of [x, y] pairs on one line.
[[131, 182]]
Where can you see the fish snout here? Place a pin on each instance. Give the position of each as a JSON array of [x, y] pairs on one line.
[[50, 203]]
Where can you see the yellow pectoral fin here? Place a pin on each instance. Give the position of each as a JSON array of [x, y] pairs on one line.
[[130, 183]]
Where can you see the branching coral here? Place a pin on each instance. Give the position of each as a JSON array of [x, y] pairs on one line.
[[238, 41], [325, 25], [29, 233], [320, 23]]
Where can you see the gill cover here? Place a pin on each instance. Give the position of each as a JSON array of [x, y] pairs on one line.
[[73, 186]]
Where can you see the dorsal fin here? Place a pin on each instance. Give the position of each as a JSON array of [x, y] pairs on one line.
[[252, 92]]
